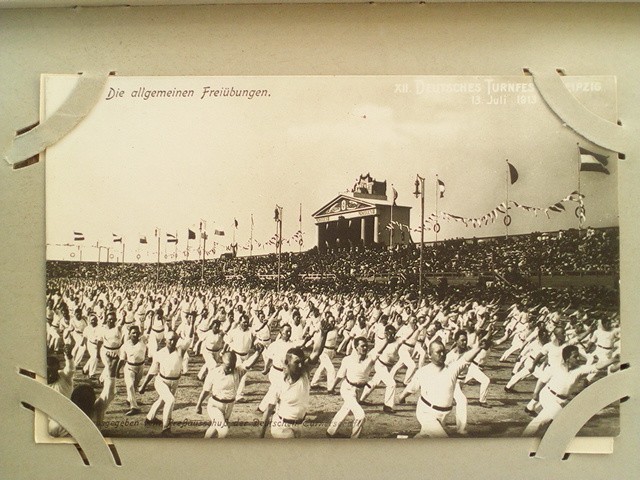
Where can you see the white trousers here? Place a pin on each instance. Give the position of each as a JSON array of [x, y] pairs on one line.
[[91, 367], [219, 413], [461, 408], [407, 360], [431, 421], [167, 396], [382, 375], [475, 373], [551, 406], [349, 394], [132, 377], [326, 365]]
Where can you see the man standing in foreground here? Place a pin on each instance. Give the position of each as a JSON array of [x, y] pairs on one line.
[[555, 386], [222, 384], [355, 370], [167, 364], [291, 401], [132, 355], [436, 383]]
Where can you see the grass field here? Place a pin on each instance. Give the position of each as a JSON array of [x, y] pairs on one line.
[[505, 417]]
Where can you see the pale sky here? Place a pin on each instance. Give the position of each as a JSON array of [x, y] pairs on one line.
[[133, 165]]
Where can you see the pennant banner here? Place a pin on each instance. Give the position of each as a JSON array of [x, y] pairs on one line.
[[501, 209]]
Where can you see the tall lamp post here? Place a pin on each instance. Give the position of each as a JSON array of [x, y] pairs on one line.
[[419, 192]]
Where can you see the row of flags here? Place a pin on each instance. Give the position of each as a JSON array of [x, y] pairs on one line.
[[296, 238]]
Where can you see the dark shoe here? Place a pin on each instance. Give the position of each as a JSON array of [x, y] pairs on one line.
[[133, 411], [166, 432], [531, 413], [509, 390], [387, 409], [148, 422], [484, 404]]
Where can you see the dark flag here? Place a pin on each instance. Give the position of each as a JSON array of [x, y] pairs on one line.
[[191, 235], [143, 239], [592, 162], [78, 237], [513, 173], [235, 223], [117, 238], [441, 188], [395, 195], [171, 238]]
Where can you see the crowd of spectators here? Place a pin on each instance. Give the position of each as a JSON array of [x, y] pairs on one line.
[[495, 265]]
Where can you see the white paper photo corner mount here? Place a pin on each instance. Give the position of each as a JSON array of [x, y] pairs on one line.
[[616, 138], [95, 451], [29, 142], [555, 444], [574, 115]]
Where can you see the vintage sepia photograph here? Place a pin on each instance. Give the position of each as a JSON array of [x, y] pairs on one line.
[[330, 257]]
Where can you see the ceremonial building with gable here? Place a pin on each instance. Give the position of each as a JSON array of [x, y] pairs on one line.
[[362, 217]]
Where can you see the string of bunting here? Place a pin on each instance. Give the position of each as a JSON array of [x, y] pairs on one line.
[[431, 222]]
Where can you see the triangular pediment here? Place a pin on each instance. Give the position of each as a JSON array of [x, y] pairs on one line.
[[344, 204]]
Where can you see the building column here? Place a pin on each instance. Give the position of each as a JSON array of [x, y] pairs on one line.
[[319, 236], [376, 222], [362, 230]]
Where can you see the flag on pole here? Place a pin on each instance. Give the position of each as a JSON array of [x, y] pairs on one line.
[[513, 173], [191, 235], [276, 214], [300, 215], [252, 219], [220, 233], [143, 239], [592, 162], [204, 235], [235, 223], [441, 188], [117, 238], [395, 195], [171, 238], [78, 236]]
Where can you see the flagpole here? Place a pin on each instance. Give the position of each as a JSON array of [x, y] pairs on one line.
[[98, 264], [420, 191], [437, 223], [80, 252], [251, 238], [507, 206], [278, 219], [279, 244], [123, 252], [300, 229], [579, 192], [204, 253], [158, 258], [393, 201]]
